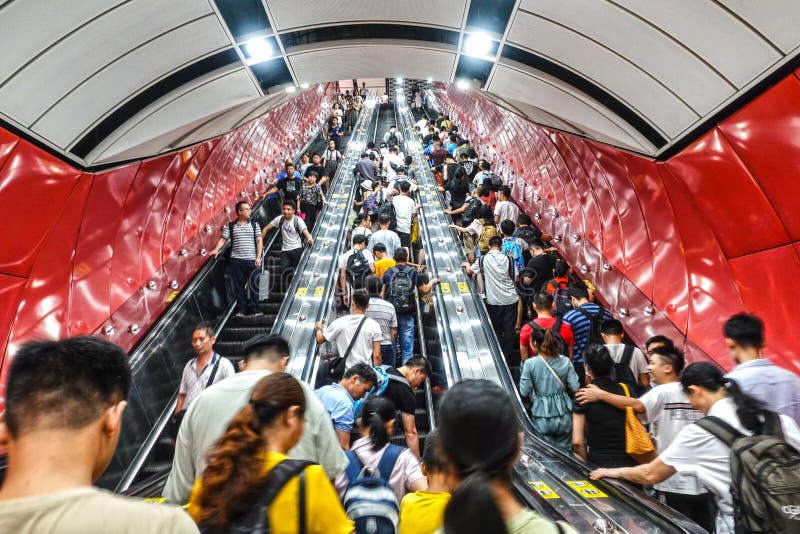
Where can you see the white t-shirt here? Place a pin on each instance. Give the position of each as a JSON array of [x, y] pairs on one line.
[[392, 158], [361, 230], [668, 411], [500, 289], [506, 210], [697, 452], [638, 361], [342, 330], [395, 183], [291, 238], [346, 256], [404, 210]]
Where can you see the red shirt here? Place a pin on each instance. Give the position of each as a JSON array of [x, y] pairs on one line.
[[546, 322]]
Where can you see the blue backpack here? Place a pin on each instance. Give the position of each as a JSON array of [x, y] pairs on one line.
[[369, 499], [513, 250], [379, 388]]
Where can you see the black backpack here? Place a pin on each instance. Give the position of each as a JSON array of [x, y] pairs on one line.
[[624, 371], [387, 208], [256, 235], [255, 520], [765, 476], [563, 349], [529, 234], [357, 269], [471, 211], [593, 336], [561, 298], [392, 140], [401, 292]]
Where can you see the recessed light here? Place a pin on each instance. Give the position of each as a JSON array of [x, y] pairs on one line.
[[478, 44], [259, 49]]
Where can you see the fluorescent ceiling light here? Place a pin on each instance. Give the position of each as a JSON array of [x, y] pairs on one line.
[[399, 81], [478, 44], [291, 89], [430, 80], [462, 84], [258, 50], [304, 85]]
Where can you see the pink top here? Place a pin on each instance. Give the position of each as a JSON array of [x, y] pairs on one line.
[[406, 470]]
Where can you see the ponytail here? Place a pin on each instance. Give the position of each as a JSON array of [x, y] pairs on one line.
[[375, 413], [473, 496], [549, 346]]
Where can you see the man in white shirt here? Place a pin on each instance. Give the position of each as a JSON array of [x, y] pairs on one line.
[[668, 411], [776, 387], [363, 264], [391, 163], [393, 137], [209, 416], [366, 346], [389, 238], [203, 370], [293, 229], [504, 209], [404, 209], [613, 334]]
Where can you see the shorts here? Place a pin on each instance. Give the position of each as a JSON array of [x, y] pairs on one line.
[[469, 244], [405, 239]]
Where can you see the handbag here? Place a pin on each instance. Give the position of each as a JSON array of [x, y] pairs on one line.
[[337, 364], [637, 442]]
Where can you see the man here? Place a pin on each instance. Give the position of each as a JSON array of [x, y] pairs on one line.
[[209, 416], [63, 413], [401, 392], [580, 319], [400, 282], [667, 409], [385, 315], [385, 236], [505, 210], [202, 371], [430, 136], [289, 183], [540, 267], [382, 260], [613, 335], [776, 387], [393, 163], [365, 168], [544, 305], [356, 264], [364, 333], [317, 168], [438, 154], [499, 274], [339, 399], [245, 256], [292, 228], [404, 209], [393, 137]]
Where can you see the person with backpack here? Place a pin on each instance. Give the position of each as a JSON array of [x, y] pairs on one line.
[[331, 159], [488, 229], [667, 409], [339, 399], [512, 246], [470, 225], [293, 229], [586, 319], [558, 286], [550, 382], [543, 305], [312, 198], [252, 485], [356, 264], [528, 233], [380, 474], [393, 137], [539, 268], [745, 455], [398, 385], [244, 255], [629, 362], [357, 337], [401, 283], [505, 209]]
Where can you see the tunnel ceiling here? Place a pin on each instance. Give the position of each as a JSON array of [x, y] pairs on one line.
[[102, 81]]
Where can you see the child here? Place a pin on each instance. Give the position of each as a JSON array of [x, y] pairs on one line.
[[422, 512], [311, 200], [382, 260]]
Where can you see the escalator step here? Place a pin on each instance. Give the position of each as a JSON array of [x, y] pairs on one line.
[[229, 349], [250, 320]]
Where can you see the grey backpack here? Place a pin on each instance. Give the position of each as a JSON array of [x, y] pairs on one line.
[[765, 476]]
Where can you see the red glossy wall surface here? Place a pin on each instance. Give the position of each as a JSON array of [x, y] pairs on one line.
[[80, 249], [674, 247]]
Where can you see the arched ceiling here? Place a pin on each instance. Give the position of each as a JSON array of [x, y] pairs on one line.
[[101, 81]]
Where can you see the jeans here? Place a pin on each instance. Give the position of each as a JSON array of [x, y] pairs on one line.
[[240, 271], [405, 336], [311, 211], [503, 319], [387, 355], [289, 261]]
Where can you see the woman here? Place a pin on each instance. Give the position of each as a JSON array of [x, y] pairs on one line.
[[458, 186], [694, 450], [473, 232], [362, 225], [312, 198], [600, 423], [305, 163], [549, 380], [256, 441], [376, 425], [479, 434]]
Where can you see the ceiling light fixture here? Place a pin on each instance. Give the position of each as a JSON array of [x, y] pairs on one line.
[[462, 84], [258, 50], [478, 44], [304, 86], [291, 89], [399, 81]]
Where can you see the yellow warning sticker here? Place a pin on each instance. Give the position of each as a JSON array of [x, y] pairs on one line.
[[172, 296], [586, 489], [463, 288], [435, 202], [157, 500], [319, 291], [543, 489], [301, 292], [342, 204], [445, 287], [335, 195]]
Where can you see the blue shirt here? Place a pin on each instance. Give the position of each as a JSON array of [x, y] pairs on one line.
[[581, 325], [340, 406], [776, 387]]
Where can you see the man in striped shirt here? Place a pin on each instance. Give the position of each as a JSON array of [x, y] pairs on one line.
[[246, 248], [581, 323], [385, 315]]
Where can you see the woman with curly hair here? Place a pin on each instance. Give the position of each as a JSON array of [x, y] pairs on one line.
[[257, 441]]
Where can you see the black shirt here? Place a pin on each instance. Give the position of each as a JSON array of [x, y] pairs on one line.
[[291, 187], [319, 170], [400, 394], [540, 268], [605, 427]]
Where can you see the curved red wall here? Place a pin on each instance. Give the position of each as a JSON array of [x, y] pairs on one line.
[[80, 249], [674, 247]]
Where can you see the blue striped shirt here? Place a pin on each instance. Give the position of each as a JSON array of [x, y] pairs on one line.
[[581, 325]]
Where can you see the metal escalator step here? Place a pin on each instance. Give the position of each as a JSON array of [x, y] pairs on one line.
[[230, 349], [250, 320], [242, 333], [270, 307]]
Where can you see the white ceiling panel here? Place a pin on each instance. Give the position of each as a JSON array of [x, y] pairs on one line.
[[620, 77], [662, 58], [314, 66], [66, 65], [114, 84], [774, 19], [509, 82], [175, 111], [726, 44], [291, 14]]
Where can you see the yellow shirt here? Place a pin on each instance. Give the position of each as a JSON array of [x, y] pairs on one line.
[[381, 266], [324, 512], [422, 512]]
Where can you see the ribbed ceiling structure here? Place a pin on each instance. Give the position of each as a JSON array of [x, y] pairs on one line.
[[102, 81]]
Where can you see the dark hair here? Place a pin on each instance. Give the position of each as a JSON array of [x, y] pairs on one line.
[[612, 327], [384, 218], [524, 218], [479, 435], [240, 204], [206, 327], [401, 255], [598, 360], [379, 247], [432, 456], [671, 356], [746, 330], [405, 186], [561, 269], [289, 203], [290, 163], [507, 227], [537, 336], [64, 384], [537, 243], [268, 347], [421, 363], [505, 190], [359, 219], [361, 299], [375, 413], [578, 291], [485, 212], [363, 371], [667, 342], [408, 160], [543, 301], [360, 238], [372, 284], [495, 241], [234, 472], [550, 345], [708, 376], [485, 165]]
